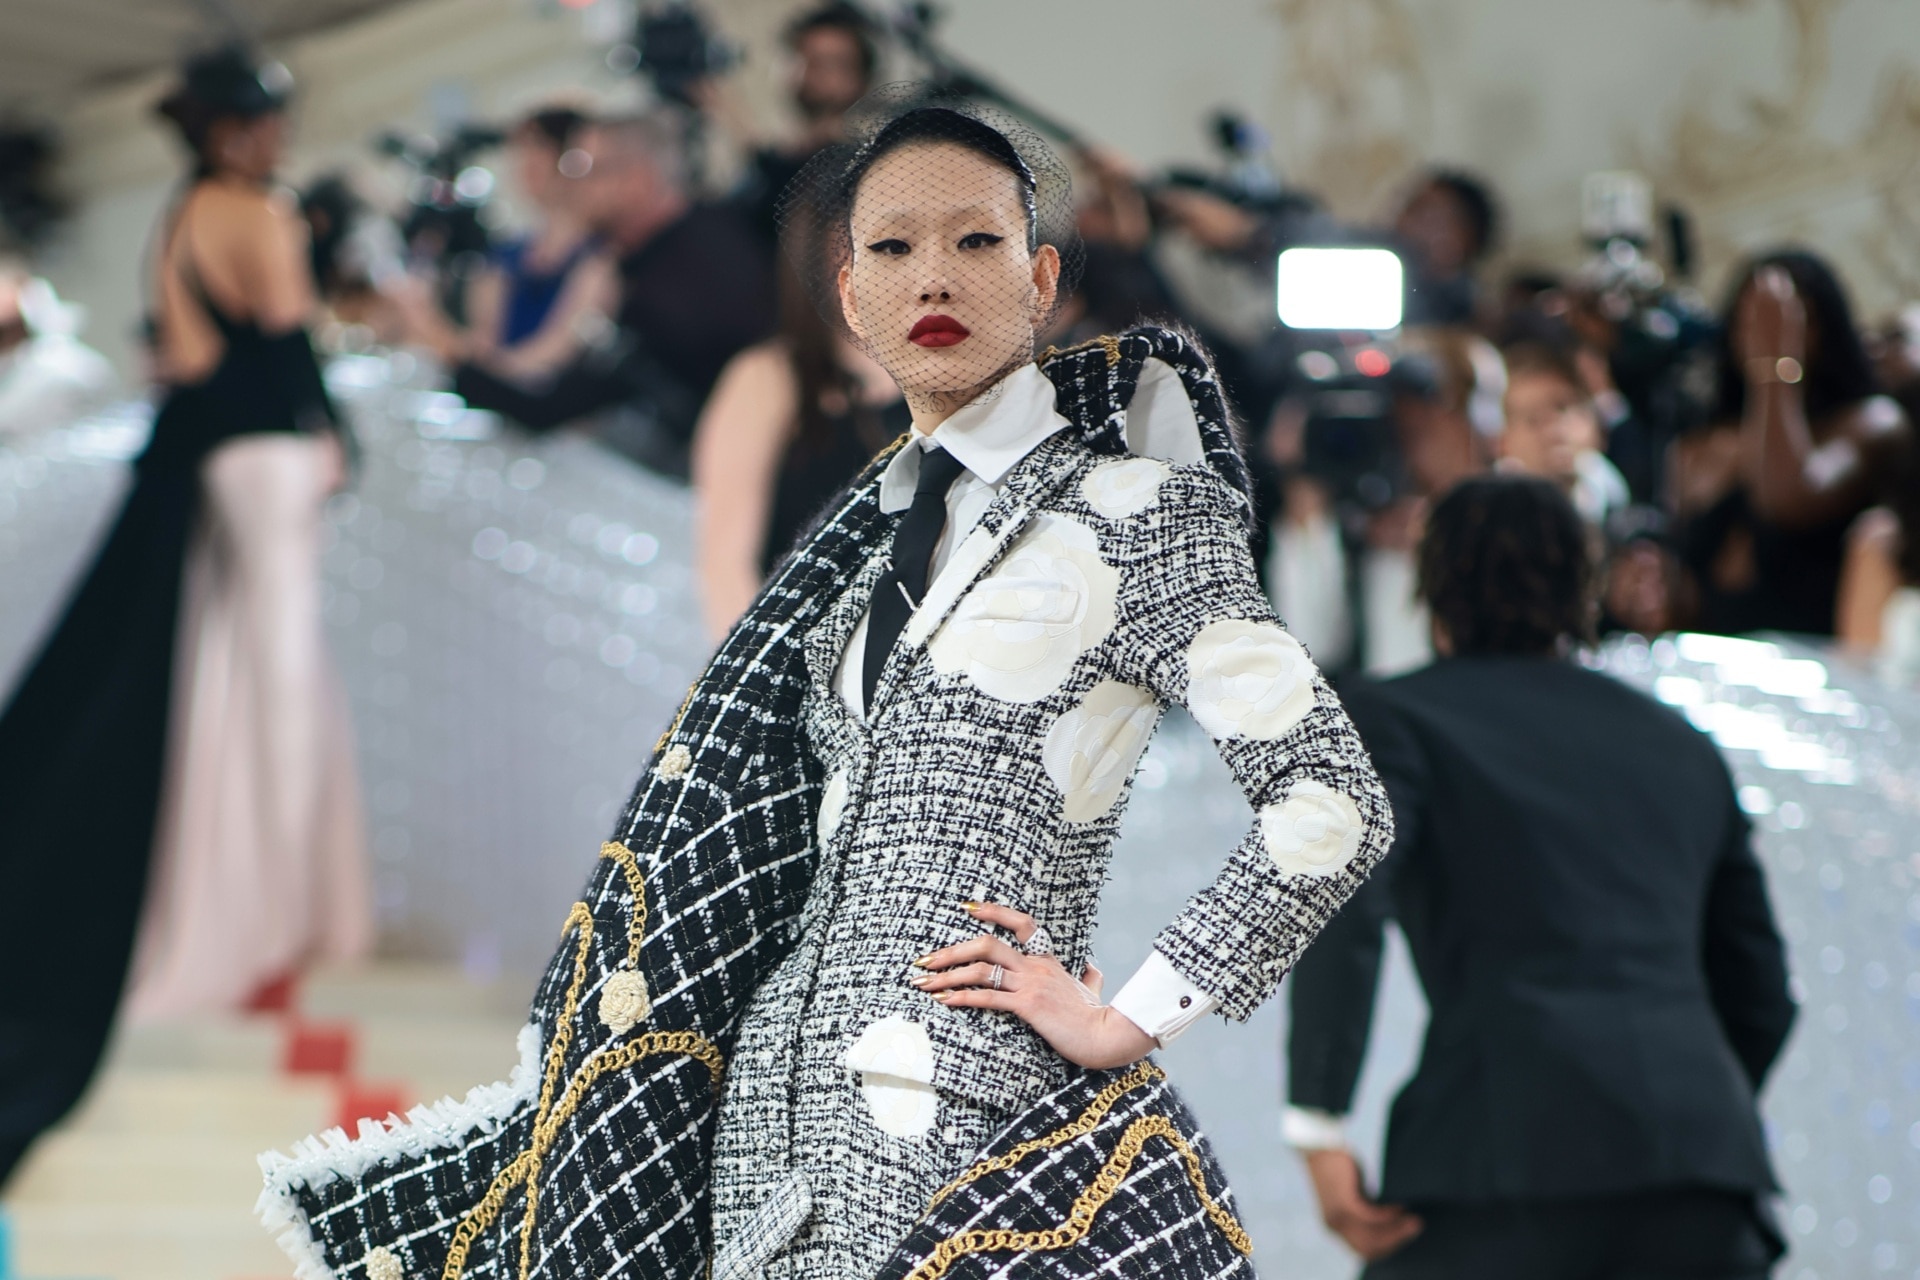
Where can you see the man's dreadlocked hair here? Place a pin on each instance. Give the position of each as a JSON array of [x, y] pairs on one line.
[[1505, 567]]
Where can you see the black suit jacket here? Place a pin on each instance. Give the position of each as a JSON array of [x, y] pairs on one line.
[[1573, 876]]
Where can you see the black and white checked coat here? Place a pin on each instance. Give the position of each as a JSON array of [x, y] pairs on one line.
[[780, 848]]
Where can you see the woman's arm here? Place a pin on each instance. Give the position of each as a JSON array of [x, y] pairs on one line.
[[1196, 629], [1793, 480], [1869, 576], [486, 301], [737, 448], [592, 288], [270, 250], [1199, 631]]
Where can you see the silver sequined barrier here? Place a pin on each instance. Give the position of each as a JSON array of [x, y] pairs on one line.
[[516, 623]]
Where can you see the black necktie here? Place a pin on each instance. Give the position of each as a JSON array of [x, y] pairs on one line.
[[897, 594]]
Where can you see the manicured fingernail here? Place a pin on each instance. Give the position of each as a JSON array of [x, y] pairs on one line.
[[921, 979], [969, 907], [921, 963], [941, 996]]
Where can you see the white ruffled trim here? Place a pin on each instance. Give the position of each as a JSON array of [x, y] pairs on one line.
[[318, 1160]]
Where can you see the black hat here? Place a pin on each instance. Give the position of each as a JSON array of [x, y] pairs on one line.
[[224, 84]]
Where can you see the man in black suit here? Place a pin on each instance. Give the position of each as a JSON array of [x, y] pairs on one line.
[[696, 287], [1607, 989]]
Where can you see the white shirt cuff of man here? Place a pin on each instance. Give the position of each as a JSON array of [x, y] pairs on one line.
[[1309, 1129], [1161, 1002]]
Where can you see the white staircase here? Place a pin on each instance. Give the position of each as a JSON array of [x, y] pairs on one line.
[[154, 1178]]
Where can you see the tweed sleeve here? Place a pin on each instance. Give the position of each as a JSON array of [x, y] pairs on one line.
[[1195, 627]]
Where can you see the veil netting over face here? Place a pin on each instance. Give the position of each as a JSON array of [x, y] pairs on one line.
[[939, 238]]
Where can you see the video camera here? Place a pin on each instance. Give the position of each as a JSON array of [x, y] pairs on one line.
[[1662, 354], [1340, 307], [445, 226], [674, 46]]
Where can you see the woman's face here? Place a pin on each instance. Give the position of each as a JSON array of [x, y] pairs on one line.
[[536, 168], [249, 148], [941, 288], [1549, 424]]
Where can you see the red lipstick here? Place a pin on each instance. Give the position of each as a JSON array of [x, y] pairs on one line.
[[937, 331]]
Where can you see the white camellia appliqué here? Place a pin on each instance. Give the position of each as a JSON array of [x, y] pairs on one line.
[[894, 1059], [1091, 749], [1017, 634], [625, 1001], [833, 803], [1248, 680], [1315, 831], [1124, 488]]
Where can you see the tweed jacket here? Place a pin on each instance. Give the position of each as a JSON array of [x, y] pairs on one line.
[[777, 834]]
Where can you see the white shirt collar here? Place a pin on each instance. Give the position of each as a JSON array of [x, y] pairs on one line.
[[989, 436]]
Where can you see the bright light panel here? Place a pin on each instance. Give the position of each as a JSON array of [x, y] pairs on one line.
[[1340, 289]]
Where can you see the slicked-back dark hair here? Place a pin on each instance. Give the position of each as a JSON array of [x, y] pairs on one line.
[[930, 126], [1505, 567]]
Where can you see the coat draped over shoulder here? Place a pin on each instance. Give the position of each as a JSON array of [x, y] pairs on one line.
[[595, 1157]]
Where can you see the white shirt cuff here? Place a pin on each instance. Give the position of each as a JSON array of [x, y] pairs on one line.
[[1308, 1129], [1161, 1002]]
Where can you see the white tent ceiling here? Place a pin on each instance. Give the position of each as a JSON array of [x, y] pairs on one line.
[[51, 50]]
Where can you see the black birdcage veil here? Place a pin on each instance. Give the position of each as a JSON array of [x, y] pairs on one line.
[[940, 239]]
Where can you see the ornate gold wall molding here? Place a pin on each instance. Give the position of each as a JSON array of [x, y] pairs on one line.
[[1762, 173], [1354, 99]]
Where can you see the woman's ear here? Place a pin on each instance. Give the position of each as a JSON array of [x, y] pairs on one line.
[[844, 281], [1046, 281]]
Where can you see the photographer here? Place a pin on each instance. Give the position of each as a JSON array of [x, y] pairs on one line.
[[1354, 496], [1446, 227], [1607, 991], [696, 286], [526, 309], [1551, 428], [833, 59]]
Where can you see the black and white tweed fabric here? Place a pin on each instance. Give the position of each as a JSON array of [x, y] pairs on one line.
[[783, 861]]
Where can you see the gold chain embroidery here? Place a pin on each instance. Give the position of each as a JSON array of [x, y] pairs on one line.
[[1106, 342], [1082, 1125], [1086, 1206], [637, 886], [482, 1215], [551, 1116], [678, 716]]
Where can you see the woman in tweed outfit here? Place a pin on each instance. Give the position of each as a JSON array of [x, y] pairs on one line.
[[978, 760], [856, 888]]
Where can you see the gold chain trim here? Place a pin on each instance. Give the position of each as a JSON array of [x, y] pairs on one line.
[[1085, 1123], [482, 1215], [1106, 342], [550, 1117], [637, 886], [1086, 1206], [678, 716]]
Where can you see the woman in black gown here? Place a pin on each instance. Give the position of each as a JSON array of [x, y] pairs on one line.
[[106, 767]]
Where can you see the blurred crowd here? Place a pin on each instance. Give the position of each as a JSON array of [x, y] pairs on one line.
[[1742, 467]]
